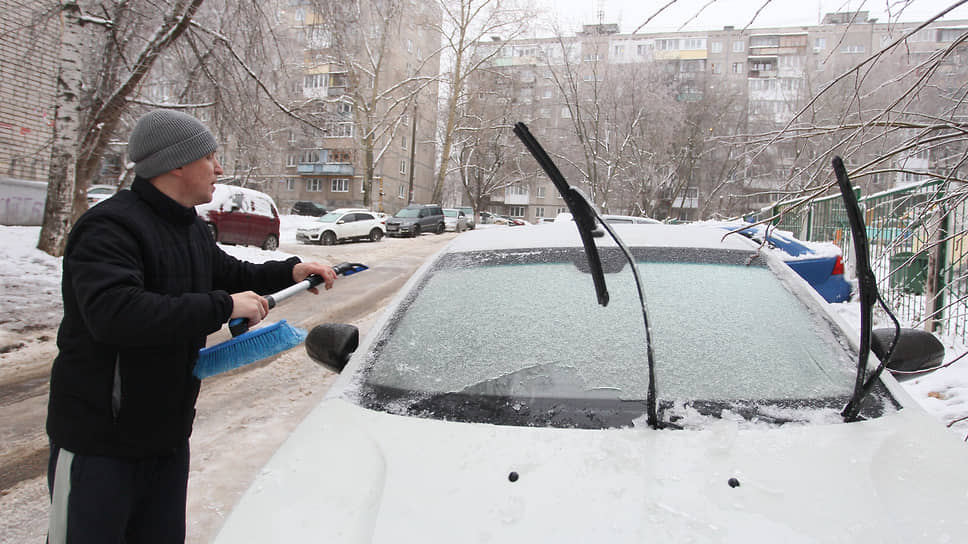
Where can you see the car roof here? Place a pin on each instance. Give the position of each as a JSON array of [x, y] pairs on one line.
[[347, 210], [629, 218], [566, 235]]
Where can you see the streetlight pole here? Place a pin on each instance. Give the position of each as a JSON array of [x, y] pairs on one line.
[[413, 149]]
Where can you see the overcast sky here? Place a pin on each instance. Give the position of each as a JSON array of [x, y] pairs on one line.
[[630, 14]]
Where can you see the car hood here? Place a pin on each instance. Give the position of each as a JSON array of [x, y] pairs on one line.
[[348, 474], [402, 220]]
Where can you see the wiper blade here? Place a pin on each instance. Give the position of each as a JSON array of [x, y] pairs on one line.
[[585, 219], [581, 209], [867, 293]]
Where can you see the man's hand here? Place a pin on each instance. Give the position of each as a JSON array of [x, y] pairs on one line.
[[302, 270], [250, 306]]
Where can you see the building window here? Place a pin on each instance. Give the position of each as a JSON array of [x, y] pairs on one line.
[[517, 211], [642, 50], [291, 160], [314, 185], [688, 66], [565, 113], [403, 166], [401, 192], [340, 130], [539, 212], [715, 47], [290, 184], [820, 43], [852, 49], [739, 46], [344, 108], [519, 190], [340, 155], [764, 41], [540, 192], [694, 43], [403, 141], [315, 81], [292, 137], [405, 119], [737, 67], [667, 45], [619, 51], [309, 156], [340, 185]]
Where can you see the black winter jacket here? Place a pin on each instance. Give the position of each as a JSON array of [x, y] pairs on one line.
[[143, 284]]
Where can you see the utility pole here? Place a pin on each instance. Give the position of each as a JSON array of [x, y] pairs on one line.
[[413, 148]]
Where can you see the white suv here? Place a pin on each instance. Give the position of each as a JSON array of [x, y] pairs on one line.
[[344, 224]]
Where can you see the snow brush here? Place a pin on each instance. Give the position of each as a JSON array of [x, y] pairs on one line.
[[247, 346]]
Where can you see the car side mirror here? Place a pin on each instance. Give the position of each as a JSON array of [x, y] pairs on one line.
[[331, 344], [917, 351], [340, 222]]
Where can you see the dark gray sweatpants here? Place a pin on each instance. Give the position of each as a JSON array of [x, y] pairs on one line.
[[117, 500]]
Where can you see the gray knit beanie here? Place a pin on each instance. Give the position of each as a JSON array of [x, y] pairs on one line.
[[164, 140]]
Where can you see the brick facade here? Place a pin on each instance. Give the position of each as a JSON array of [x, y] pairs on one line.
[[28, 64]]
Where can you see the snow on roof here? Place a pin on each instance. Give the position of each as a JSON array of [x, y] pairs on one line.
[[251, 201]]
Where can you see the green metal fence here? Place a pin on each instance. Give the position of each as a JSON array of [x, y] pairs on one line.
[[918, 249]]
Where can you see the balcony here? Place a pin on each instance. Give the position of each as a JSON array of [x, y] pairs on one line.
[[516, 199], [325, 168]]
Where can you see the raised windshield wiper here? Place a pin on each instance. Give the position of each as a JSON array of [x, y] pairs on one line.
[[587, 220], [867, 293], [581, 209]]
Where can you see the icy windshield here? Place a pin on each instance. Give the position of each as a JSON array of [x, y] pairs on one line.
[[407, 212], [530, 328]]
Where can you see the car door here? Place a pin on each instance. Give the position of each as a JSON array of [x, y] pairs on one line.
[[263, 220], [350, 226], [232, 227], [361, 224]]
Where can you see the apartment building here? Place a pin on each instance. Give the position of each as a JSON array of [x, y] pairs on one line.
[[728, 83], [375, 124], [28, 67]]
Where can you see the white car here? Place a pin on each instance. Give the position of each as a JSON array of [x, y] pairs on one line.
[[98, 193], [544, 425], [344, 224], [454, 220]]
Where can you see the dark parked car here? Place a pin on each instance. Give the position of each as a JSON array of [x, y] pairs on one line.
[[416, 219], [305, 207]]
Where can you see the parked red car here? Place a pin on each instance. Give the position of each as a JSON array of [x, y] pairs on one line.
[[237, 215]]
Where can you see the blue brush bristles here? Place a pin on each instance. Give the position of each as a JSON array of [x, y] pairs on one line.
[[247, 348]]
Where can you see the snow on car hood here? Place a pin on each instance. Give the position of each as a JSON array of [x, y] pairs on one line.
[[349, 474]]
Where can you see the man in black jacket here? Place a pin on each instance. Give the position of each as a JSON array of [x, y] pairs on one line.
[[143, 285]]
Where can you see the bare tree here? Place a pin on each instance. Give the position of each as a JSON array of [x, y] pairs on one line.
[[92, 96], [473, 31], [360, 37]]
